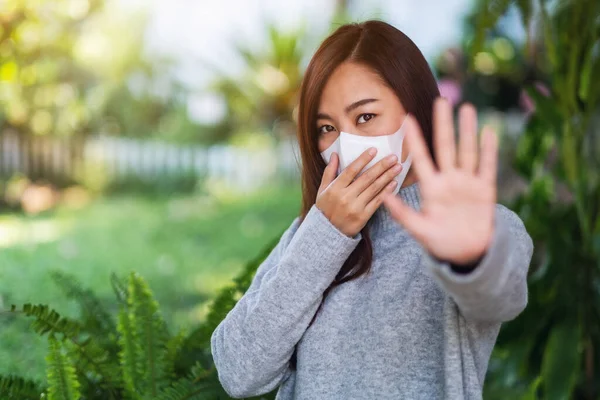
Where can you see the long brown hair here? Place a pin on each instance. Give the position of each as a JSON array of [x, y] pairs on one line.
[[395, 57]]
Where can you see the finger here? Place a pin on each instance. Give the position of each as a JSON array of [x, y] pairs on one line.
[[488, 162], [371, 175], [412, 220], [423, 165], [350, 172], [376, 201], [467, 144], [372, 190], [443, 134], [329, 174]]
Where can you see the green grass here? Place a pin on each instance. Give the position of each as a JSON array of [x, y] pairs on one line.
[[187, 247]]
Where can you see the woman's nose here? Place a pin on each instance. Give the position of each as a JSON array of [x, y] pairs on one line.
[[352, 129]]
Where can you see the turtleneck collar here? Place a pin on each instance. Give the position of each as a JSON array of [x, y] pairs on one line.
[[382, 219]]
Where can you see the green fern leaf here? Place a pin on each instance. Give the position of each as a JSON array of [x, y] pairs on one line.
[[95, 317], [200, 384], [17, 388], [95, 359], [48, 321], [174, 347], [128, 353], [119, 288], [96, 367], [188, 389], [62, 379], [150, 337], [95, 364]]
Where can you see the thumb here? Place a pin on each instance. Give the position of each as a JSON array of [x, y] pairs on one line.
[[330, 172]]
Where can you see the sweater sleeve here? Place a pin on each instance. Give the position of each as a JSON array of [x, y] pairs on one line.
[[496, 289], [252, 346]]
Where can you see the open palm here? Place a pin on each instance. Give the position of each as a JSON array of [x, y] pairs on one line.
[[458, 197]]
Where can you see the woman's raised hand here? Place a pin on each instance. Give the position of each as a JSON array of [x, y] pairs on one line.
[[458, 197]]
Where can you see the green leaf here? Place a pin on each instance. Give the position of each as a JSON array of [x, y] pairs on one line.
[[570, 159], [525, 7], [189, 389], [94, 364], [150, 336], [545, 107], [549, 38], [95, 317], [200, 384], [87, 353], [128, 354], [532, 391], [489, 12], [174, 348], [48, 321], [560, 365], [586, 71], [62, 379], [119, 288], [17, 388], [533, 147]]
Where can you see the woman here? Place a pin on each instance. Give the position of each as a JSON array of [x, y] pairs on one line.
[[395, 278]]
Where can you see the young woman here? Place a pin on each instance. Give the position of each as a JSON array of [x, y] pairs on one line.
[[395, 278]]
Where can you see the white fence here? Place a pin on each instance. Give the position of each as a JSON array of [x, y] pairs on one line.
[[119, 158]]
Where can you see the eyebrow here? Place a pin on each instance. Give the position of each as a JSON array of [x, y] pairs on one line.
[[349, 108]]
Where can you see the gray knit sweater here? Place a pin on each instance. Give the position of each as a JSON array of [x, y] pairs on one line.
[[412, 328]]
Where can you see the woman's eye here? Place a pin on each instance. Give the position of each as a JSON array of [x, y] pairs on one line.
[[325, 129], [362, 118]]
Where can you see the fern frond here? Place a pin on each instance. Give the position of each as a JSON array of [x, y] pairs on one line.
[[62, 379], [48, 321], [200, 384], [119, 288], [95, 317], [128, 353], [93, 360], [188, 389], [94, 364], [17, 388], [174, 346], [150, 336]]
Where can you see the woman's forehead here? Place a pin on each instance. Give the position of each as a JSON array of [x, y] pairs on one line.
[[351, 82]]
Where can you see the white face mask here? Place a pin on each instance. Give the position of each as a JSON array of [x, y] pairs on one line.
[[349, 147]]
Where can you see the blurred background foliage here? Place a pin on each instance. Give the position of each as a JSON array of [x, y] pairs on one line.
[[552, 349], [111, 163], [72, 67], [265, 96]]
